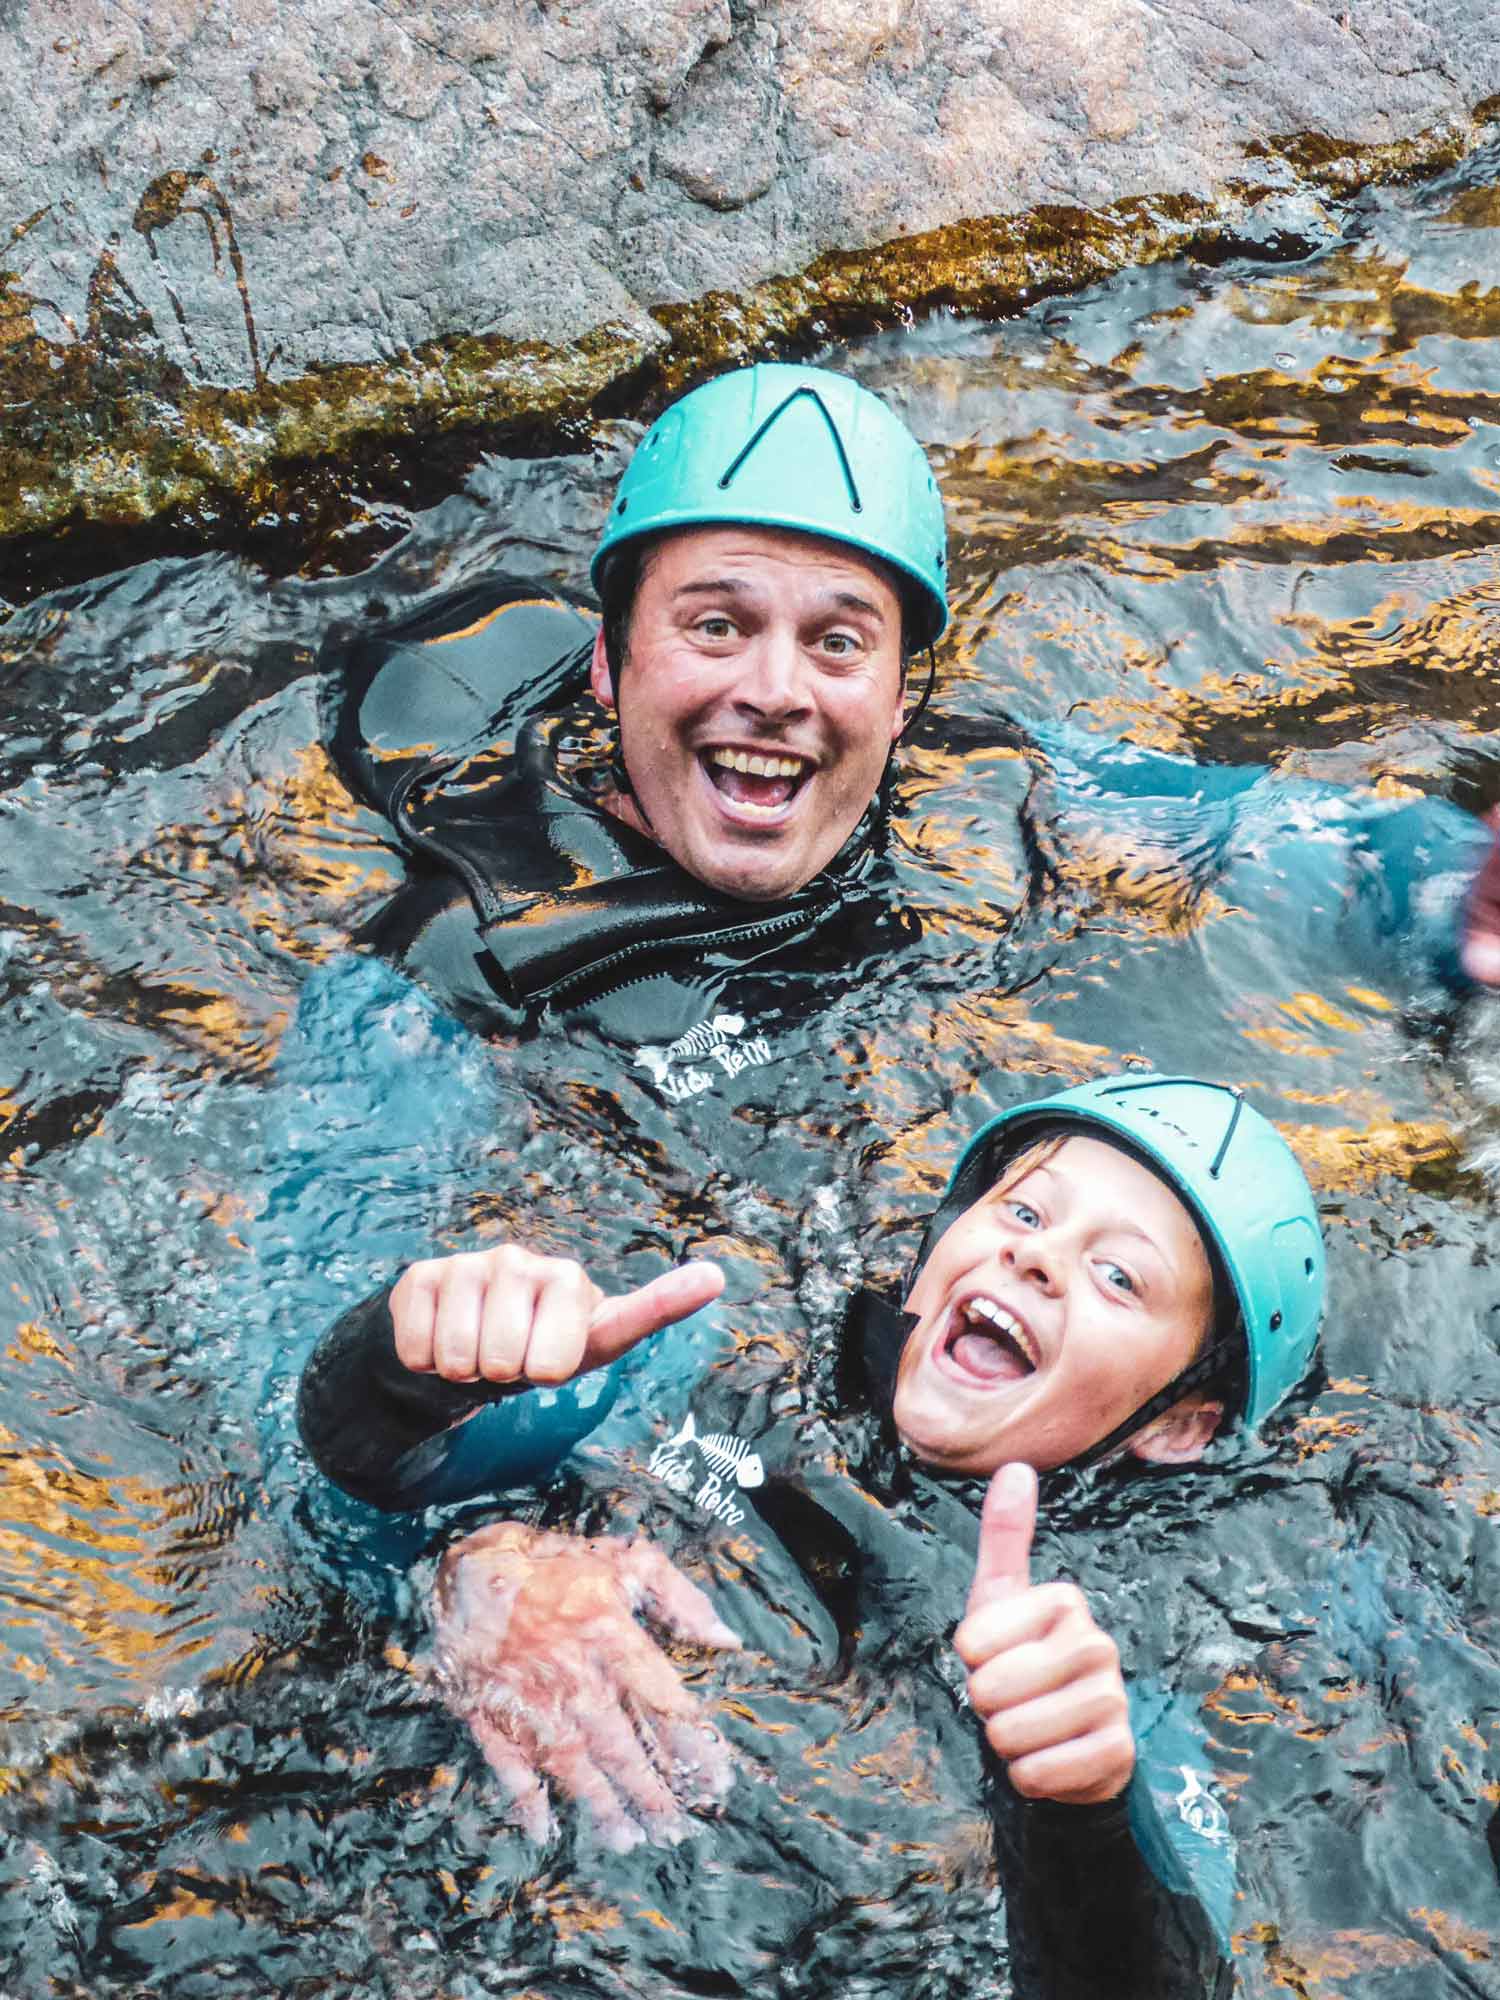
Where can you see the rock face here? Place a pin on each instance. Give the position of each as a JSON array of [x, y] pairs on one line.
[[243, 237]]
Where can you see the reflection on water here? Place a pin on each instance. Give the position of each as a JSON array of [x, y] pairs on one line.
[[1247, 514]]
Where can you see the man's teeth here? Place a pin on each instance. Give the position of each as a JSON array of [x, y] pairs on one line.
[[1004, 1322], [757, 767]]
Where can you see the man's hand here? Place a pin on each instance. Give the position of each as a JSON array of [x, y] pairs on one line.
[[539, 1651], [1043, 1678], [508, 1315], [1479, 945]]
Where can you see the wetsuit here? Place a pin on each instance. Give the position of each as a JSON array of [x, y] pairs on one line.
[[820, 1546], [713, 1042]]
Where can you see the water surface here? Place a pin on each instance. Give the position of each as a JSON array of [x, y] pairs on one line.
[[1247, 514]]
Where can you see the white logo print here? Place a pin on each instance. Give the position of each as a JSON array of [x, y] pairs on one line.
[[713, 1041], [730, 1462], [1200, 1809]]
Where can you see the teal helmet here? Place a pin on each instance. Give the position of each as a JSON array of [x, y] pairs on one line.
[[1242, 1185], [782, 446]]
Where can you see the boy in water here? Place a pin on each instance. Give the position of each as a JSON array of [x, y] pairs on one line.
[[1111, 1273]]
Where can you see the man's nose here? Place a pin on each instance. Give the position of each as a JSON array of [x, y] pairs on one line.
[[774, 676]]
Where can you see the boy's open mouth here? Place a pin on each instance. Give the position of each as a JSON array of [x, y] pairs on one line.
[[761, 781], [987, 1342]]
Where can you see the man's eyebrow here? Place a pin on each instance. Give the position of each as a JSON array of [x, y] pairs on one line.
[[735, 586]]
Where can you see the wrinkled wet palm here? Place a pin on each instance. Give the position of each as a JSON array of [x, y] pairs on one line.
[[538, 1649]]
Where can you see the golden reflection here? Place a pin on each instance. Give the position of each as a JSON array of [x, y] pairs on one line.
[[80, 1571], [1458, 1937], [1306, 1966], [1349, 1160]]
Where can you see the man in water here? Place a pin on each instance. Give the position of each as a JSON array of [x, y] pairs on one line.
[[1111, 1272], [702, 914]]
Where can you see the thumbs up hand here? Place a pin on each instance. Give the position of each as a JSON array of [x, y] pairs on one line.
[[1043, 1678]]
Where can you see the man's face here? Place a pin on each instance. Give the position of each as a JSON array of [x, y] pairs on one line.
[[1052, 1310], [758, 704]]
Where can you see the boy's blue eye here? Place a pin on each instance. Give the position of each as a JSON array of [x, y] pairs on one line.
[[1119, 1278], [1025, 1214]]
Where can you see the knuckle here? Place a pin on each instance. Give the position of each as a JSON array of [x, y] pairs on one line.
[[1025, 1779], [1098, 1654], [1001, 1736]]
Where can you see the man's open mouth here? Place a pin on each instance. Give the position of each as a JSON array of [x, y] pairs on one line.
[[760, 781], [987, 1342]]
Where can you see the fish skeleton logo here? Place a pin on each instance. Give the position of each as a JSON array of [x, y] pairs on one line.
[[683, 1070], [731, 1465], [1198, 1807]]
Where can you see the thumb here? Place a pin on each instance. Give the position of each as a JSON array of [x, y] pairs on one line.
[[1006, 1527], [618, 1324]]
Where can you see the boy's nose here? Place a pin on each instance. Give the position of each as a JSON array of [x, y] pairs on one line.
[[1037, 1260]]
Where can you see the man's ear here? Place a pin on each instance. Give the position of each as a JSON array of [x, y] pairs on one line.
[[1182, 1435], [600, 678]]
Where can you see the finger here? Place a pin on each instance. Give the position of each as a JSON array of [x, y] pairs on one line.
[[1054, 1720], [680, 1607], [1027, 1618], [625, 1749], [1086, 1771], [1071, 1651], [528, 1795], [457, 1319], [413, 1305], [699, 1762], [617, 1324], [571, 1768], [1479, 948], [506, 1308], [1006, 1526], [560, 1321], [640, 1667]]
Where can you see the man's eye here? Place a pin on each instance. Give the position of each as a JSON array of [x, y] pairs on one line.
[[716, 628], [842, 645]]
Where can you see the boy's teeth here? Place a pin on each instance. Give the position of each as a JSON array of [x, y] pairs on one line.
[[757, 767], [1007, 1323]]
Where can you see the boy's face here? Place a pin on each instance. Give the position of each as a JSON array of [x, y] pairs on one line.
[[1049, 1311]]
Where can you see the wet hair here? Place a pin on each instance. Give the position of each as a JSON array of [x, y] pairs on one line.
[[621, 580]]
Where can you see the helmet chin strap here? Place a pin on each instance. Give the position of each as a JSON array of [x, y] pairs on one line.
[[618, 771], [1197, 1375], [916, 715]]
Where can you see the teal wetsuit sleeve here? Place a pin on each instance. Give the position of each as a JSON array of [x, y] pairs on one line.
[[399, 1440], [1179, 1825], [1380, 880]]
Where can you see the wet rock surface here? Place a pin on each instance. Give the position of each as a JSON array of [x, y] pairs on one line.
[[244, 241]]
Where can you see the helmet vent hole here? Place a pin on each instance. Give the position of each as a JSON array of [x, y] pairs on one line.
[[621, 505], [1307, 1266], [1275, 1321]]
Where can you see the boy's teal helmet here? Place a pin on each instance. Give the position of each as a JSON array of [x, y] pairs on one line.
[[1242, 1184], [782, 446]]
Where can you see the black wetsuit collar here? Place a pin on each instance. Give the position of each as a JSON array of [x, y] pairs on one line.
[[615, 899]]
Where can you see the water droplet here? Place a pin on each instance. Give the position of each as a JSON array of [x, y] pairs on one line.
[[1286, 360]]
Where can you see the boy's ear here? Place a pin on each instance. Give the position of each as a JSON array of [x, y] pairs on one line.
[[1182, 1435], [600, 678]]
